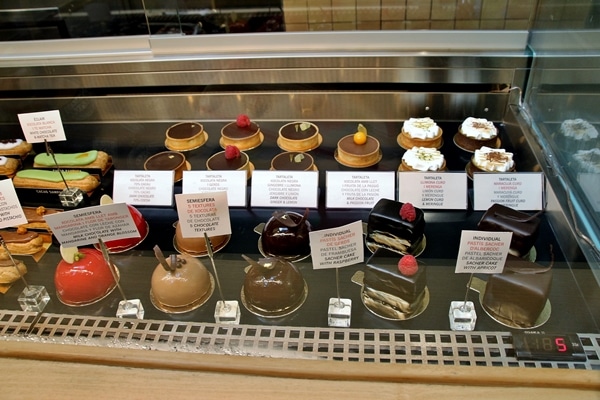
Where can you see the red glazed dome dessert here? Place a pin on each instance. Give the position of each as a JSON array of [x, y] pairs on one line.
[[183, 288], [120, 245], [274, 287], [84, 281]]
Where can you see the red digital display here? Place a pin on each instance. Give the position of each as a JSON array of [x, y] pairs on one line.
[[541, 346]]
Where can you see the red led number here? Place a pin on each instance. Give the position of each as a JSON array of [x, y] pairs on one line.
[[560, 344]]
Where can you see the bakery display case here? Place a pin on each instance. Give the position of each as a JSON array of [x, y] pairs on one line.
[[127, 104]]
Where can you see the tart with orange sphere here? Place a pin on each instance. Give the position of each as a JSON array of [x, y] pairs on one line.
[[358, 150]]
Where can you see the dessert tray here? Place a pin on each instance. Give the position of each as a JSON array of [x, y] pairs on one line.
[[274, 314], [478, 285], [187, 307], [385, 311]]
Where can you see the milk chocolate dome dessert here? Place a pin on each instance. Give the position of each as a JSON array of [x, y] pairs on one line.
[[286, 235], [273, 287], [180, 283]]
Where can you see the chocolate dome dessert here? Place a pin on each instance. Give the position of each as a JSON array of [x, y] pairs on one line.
[[273, 287], [184, 284], [286, 235]]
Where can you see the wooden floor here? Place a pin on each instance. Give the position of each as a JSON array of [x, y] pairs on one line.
[[31, 370]]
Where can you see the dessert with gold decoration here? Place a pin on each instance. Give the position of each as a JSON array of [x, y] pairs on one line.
[[423, 159], [358, 150], [242, 133], [420, 132], [299, 136], [185, 136], [475, 133]]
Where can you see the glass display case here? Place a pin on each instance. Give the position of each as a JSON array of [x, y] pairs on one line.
[[120, 95]]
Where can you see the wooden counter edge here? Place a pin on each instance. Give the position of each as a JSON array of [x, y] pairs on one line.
[[306, 369]]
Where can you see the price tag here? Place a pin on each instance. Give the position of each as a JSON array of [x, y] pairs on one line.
[[285, 189], [203, 212], [42, 126], [144, 188], [11, 213], [358, 189], [85, 226], [433, 190], [482, 252], [519, 191], [337, 247], [232, 182]]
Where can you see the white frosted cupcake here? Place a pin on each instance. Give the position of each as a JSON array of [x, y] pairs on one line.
[[422, 159]]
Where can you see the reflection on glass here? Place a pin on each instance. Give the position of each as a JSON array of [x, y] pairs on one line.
[[53, 19]]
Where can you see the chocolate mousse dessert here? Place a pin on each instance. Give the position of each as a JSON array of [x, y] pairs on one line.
[[286, 235]]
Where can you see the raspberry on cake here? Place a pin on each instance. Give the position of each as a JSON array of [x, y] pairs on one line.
[[397, 285], [230, 159], [422, 159], [396, 226], [420, 132], [242, 133], [359, 150], [299, 136], [474, 133]]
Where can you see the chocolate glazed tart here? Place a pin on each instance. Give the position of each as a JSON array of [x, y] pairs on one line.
[[244, 138], [293, 161], [218, 162], [167, 161], [185, 136], [293, 138]]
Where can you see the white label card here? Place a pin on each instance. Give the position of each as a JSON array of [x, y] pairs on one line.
[[203, 212], [11, 213], [517, 190], [482, 252], [40, 126], [143, 188], [86, 225], [285, 189], [232, 182], [358, 189], [433, 190], [337, 247]]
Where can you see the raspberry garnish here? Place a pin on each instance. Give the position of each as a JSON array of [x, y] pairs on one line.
[[407, 212], [408, 265], [231, 152], [242, 121]]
